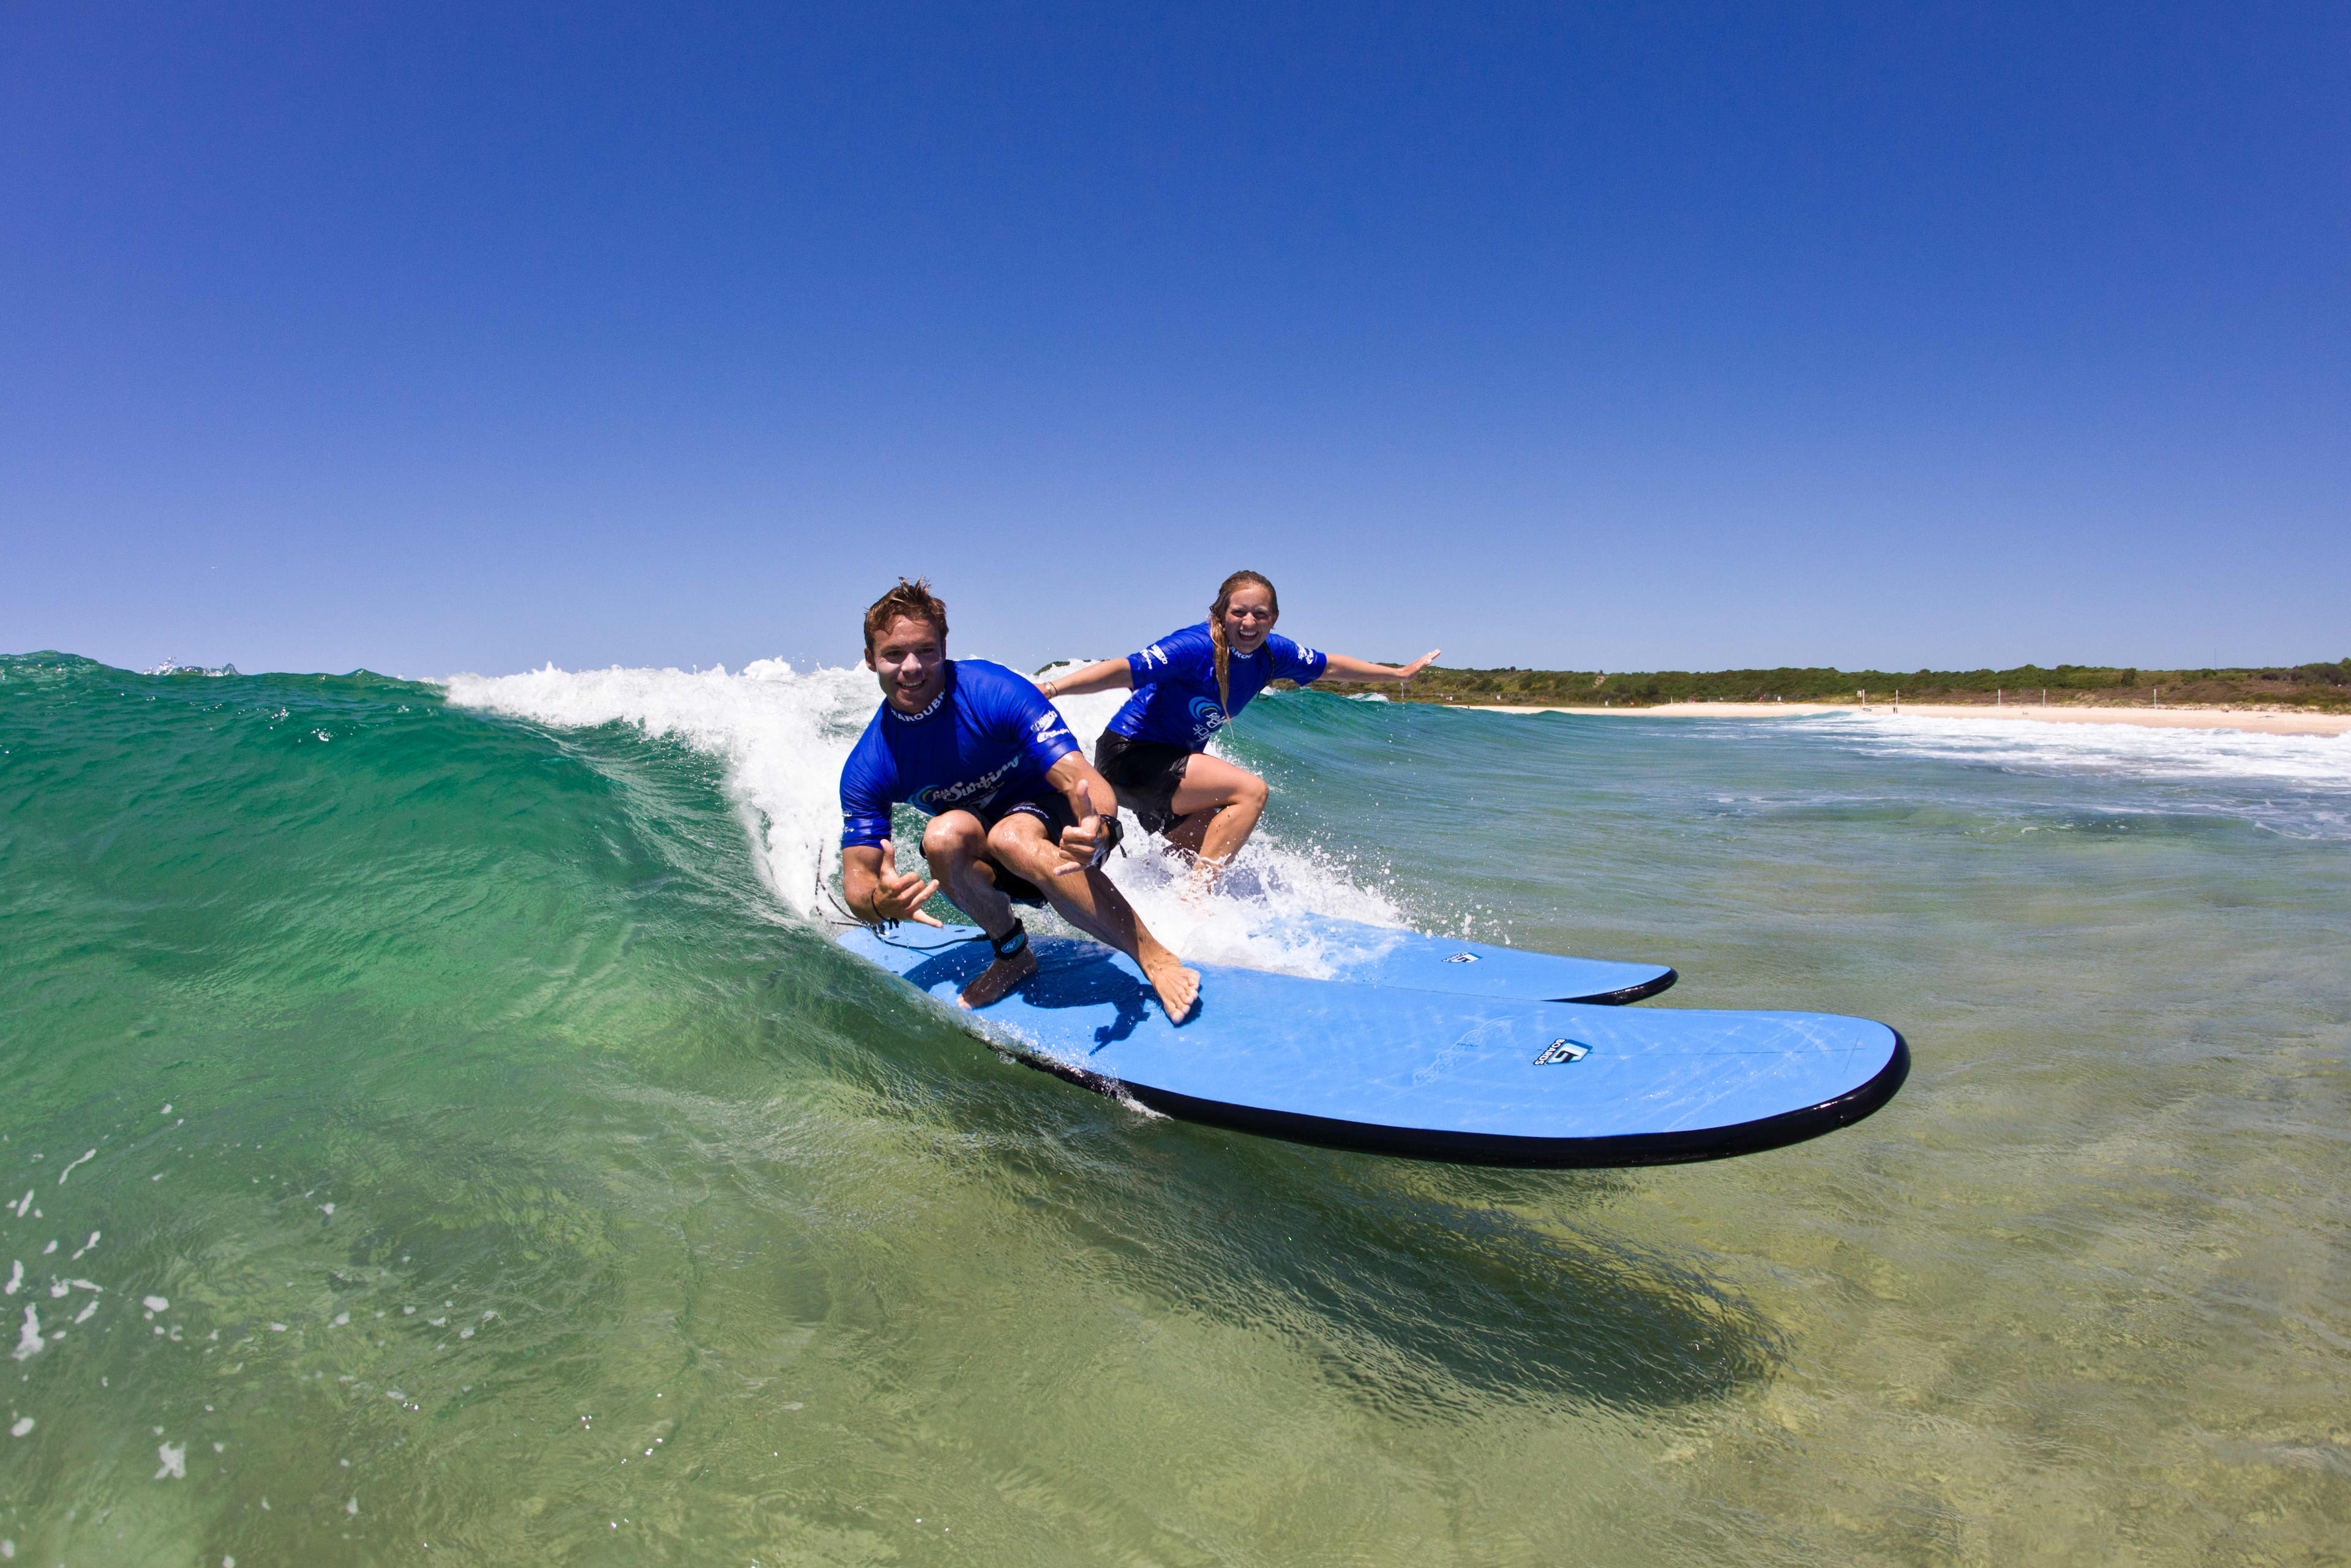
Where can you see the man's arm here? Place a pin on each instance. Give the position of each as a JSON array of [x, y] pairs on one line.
[[1103, 674], [1340, 667], [876, 893], [1090, 800]]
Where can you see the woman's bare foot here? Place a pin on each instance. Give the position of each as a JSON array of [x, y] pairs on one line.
[[990, 984], [1202, 884], [1178, 987]]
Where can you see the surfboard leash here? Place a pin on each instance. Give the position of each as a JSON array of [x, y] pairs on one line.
[[881, 931]]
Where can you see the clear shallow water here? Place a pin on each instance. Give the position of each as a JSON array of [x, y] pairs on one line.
[[504, 1011]]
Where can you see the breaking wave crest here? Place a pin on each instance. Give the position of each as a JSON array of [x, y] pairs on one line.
[[782, 735]]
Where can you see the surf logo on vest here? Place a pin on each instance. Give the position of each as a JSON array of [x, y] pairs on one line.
[[1206, 718], [1151, 655], [1561, 1050], [937, 798]]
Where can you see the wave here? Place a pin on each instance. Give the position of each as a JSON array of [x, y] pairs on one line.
[[2128, 750], [782, 735], [174, 667], [2296, 785]]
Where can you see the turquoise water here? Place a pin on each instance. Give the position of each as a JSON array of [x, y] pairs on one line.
[[490, 1160]]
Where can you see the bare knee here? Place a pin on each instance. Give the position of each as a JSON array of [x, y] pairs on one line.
[[1252, 792], [1014, 849], [947, 840]]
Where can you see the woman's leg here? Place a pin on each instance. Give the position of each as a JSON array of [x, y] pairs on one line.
[[1221, 805]]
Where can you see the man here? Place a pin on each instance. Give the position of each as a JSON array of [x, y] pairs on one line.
[[1016, 812]]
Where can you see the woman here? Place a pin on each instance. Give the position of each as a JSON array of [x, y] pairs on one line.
[[1188, 685]]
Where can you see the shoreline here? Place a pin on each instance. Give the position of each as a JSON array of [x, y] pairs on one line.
[[2258, 721]]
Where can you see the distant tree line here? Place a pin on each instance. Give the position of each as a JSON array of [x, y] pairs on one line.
[[2317, 686]]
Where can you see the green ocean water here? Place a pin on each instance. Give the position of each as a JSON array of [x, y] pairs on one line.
[[523, 1177]]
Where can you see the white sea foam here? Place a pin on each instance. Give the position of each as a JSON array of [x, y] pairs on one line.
[[783, 734], [2322, 762]]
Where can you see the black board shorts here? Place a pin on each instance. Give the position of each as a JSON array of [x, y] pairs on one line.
[[1146, 774], [1053, 809]]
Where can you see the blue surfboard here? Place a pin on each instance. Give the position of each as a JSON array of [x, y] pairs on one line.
[[1421, 1073], [1384, 956]]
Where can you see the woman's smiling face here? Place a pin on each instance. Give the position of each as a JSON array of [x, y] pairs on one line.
[[1248, 616]]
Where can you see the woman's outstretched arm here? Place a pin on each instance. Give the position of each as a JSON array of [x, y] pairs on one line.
[[1342, 668], [1099, 677]]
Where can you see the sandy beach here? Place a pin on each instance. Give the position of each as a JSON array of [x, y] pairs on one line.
[[2259, 721]]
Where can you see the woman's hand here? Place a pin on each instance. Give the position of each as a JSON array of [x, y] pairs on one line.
[[1101, 675], [1340, 667]]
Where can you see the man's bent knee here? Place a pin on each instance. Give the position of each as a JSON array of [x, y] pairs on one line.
[[1021, 848], [954, 836]]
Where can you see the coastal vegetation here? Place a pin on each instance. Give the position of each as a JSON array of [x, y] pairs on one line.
[[2316, 687]]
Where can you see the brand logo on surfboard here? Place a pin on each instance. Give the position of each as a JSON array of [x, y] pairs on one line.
[[1463, 958], [1562, 1051]]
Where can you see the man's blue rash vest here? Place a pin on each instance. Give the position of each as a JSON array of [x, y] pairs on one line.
[[989, 737], [1175, 698]]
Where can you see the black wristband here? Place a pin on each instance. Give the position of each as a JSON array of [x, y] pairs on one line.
[[1113, 831]]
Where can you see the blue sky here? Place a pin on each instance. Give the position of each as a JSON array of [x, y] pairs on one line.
[[433, 338]]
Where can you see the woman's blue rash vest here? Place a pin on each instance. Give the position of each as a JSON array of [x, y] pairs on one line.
[[1175, 698], [988, 736]]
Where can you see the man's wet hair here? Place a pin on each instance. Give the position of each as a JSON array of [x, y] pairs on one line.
[[912, 599]]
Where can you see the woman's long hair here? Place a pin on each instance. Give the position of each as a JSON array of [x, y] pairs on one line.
[[1216, 631]]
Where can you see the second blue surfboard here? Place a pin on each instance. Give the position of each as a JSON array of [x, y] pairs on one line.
[[1367, 955]]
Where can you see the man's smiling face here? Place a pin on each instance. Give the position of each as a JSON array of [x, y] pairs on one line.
[[911, 658]]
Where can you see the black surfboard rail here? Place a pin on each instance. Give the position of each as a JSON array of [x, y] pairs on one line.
[[1458, 1148]]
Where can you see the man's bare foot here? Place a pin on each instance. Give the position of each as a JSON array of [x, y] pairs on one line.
[[1178, 987], [990, 984]]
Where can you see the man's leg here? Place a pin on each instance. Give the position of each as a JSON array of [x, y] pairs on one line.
[[1088, 900], [1221, 805], [956, 844]]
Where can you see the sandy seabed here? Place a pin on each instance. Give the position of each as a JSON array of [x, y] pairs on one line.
[[2261, 721]]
